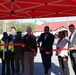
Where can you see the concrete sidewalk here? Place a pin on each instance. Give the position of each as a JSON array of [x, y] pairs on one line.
[[55, 66], [38, 67]]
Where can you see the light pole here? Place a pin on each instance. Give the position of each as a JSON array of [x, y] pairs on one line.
[[4, 26]]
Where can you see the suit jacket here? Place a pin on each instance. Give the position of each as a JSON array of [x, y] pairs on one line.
[[73, 42], [18, 49], [30, 42], [46, 43], [10, 36]]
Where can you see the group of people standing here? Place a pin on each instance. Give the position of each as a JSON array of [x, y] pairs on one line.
[[66, 46], [68, 43], [12, 55]]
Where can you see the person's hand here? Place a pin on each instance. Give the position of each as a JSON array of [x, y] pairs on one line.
[[35, 53], [32, 49], [74, 47], [48, 52], [23, 45], [64, 58], [40, 48]]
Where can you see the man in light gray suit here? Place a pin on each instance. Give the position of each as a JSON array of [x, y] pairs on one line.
[[72, 42]]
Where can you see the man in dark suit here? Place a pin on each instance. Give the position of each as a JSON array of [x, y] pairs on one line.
[[72, 42], [12, 36], [47, 40]]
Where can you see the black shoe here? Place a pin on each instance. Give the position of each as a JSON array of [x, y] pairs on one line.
[[3, 73], [7, 73], [46, 73]]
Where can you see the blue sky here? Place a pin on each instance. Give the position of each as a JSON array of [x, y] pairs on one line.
[[40, 21], [56, 19]]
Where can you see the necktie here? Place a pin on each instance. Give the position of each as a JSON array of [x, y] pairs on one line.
[[70, 41], [70, 36]]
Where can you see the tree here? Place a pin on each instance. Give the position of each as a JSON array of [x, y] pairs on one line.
[[1, 27], [20, 26]]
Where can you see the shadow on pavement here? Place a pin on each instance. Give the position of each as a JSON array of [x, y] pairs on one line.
[[55, 69], [39, 70]]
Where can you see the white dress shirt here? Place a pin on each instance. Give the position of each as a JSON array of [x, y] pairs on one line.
[[62, 44], [45, 36]]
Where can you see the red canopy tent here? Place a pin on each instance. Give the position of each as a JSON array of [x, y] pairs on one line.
[[21, 9]]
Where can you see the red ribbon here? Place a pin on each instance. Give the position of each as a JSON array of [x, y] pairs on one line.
[[16, 44], [20, 44], [61, 49]]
